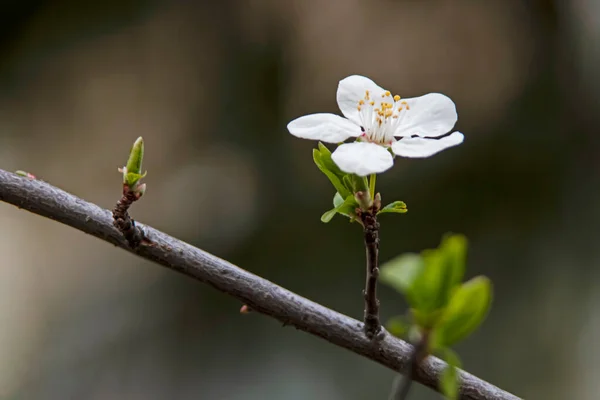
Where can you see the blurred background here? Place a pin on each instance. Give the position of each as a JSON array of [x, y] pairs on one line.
[[211, 87]]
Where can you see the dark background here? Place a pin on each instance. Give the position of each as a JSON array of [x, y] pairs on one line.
[[211, 86]]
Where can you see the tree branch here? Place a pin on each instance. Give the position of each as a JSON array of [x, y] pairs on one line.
[[257, 293]]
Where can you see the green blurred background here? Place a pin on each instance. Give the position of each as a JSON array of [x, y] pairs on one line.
[[211, 86]]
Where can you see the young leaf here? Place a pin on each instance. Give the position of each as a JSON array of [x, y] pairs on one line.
[[321, 160], [402, 273], [348, 207], [359, 183], [328, 215], [449, 384], [444, 269], [450, 379], [448, 355], [344, 207], [455, 250], [398, 326], [397, 207], [131, 178], [338, 200], [466, 310]]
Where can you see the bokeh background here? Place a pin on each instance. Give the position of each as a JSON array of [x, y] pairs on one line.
[[211, 87]]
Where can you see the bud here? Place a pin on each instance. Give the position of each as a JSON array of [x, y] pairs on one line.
[[245, 309], [136, 156], [132, 173], [364, 200]]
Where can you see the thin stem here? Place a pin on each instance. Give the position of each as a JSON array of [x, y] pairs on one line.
[[372, 181], [400, 391], [371, 233]]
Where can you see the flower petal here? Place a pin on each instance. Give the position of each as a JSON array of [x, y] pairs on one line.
[[423, 147], [362, 158], [329, 128], [430, 115], [353, 89]]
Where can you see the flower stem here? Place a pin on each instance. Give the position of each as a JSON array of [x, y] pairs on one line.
[[372, 181], [371, 233]]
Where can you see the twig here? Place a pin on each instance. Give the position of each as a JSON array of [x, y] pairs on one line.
[[123, 222], [418, 354], [371, 232], [257, 293]]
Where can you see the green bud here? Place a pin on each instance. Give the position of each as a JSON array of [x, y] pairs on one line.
[[132, 173], [136, 156]]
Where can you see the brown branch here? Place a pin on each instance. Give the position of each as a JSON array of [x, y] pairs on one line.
[[371, 232], [123, 221], [257, 293]]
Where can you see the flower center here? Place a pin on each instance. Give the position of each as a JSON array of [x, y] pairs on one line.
[[380, 116]]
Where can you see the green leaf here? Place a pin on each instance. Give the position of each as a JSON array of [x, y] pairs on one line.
[[398, 326], [444, 270], [430, 279], [328, 215], [330, 170], [328, 161], [448, 355], [449, 383], [347, 180], [455, 250], [450, 378], [402, 273], [435, 283], [338, 200], [398, 207], [346, 207], [131, 179], [359, 183], [467, 309]]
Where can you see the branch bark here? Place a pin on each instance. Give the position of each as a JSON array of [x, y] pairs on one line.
[[371, 233], [257, 293]]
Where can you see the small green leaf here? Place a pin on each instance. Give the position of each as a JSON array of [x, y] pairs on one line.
[[132, 178], [347, 180], [323, 149], [450, 379], [455, 250], [444, 269], [330, 170], [448, 355], [466, 310], [398, 207], [435, 283], [346, 207], [449, 383], [328, 215], [328, 161], [402, 273], [338, 200], [359, 183], [398, 326]]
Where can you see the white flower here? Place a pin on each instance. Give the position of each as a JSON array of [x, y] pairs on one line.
[[376, 119]]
